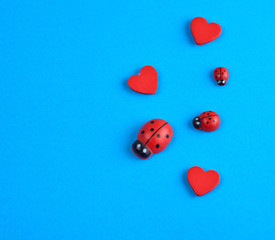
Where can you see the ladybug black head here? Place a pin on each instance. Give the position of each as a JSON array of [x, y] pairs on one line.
[[197, 123], [221, 82], [141, 150]]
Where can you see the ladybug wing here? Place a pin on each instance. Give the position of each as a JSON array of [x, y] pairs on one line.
[[211, 123], [216, 121], [224, 73], [207, 124], [217, 74], [211, 113], [207, 114], [149, 128], [161, 138]]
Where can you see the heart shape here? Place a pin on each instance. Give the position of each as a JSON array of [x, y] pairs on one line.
[[204, 32], [146, 82], [202, 182]]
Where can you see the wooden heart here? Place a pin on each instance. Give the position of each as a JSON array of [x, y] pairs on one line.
[[202, 182], [146, 82], [204, 32]]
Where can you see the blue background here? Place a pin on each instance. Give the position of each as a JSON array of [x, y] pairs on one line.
[[68, 120]]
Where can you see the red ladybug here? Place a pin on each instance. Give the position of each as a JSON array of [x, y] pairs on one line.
[[153, 137], [208, 121], [221, 75]]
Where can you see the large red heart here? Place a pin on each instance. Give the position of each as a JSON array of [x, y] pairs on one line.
[[146, 82], [202, 182], [204, 32]]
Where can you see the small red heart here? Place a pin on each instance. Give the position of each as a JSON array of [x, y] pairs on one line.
[[202, 182], [146, 82], [204, 32]]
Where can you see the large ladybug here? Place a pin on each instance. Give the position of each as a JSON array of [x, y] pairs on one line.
[[208, 121], [221, 75], [152, 138]]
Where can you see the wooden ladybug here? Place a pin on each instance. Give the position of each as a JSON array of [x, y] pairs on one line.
[[208, 121], [153, 137], [221, 75]]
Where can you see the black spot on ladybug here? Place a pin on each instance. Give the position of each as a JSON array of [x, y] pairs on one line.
[[224, 70], [213, 120], [157, 146], [167, 135], [158, 135], [207, 122], [204, 113], [152, 129], [207, 113], [209, 118], [142, 132], [215, 71], [222, 73], [152, 121]]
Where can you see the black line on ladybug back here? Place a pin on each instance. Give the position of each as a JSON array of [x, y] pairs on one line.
[[156, 132], [209, 116]]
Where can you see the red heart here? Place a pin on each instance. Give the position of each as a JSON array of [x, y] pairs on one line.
[[146, 82], [204, 32], [202, 182]]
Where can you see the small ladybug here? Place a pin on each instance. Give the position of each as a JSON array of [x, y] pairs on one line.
[[152, 138], [208, 121], [221, 75]]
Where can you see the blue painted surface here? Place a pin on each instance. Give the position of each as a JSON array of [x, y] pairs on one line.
[[68, 120]]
